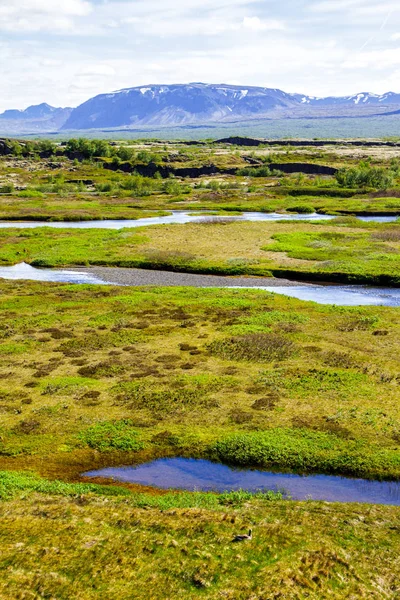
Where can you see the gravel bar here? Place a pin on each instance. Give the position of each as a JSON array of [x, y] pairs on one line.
[[138, 277]]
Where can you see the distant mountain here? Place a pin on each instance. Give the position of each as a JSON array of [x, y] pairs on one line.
[[199, 103], [363, 99], [161, 105], [194, 104], [40, 118]]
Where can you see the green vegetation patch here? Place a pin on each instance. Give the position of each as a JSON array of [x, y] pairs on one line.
[[303, 450], [111, 436]]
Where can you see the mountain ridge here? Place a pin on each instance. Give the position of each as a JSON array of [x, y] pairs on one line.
[[193, 104]]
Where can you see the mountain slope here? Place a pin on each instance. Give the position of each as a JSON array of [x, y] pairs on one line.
[[176, 105]]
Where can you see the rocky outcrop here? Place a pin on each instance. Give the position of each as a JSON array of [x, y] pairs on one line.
[[5, 149], [306, 168], [152, 169], [250, 142], [193, 172]]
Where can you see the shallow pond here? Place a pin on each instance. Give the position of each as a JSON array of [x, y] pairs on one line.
[[180, 217], [203, 475]]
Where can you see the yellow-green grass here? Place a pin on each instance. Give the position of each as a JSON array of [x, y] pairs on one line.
[[95, 547], [95, 376], [343, 250], [81, 208]]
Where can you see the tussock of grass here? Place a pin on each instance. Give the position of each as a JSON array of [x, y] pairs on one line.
[[259, 347], [110, 436]]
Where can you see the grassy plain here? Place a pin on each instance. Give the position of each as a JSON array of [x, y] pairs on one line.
[[88, 546], [218, 373]]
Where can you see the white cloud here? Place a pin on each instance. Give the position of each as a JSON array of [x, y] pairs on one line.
[[361, 6], [216, 22], [65, 51], [257, 24], [375, 59], [41, 15], [76, 8], [97, 69]]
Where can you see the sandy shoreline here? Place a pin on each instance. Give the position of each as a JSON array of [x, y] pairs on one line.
[[139, 277]]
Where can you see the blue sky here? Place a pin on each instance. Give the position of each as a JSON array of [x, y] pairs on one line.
[[66, 51]]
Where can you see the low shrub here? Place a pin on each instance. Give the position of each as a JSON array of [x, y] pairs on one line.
[[112, 435], [6, 188], [30, 194], [302, 209], [365, 176]]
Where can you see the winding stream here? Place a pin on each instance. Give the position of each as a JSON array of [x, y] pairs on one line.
[[182, 217], [202, 475], [341, 295]]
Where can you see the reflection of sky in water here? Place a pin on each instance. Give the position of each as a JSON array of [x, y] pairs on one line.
[[351, 295], [24, 271], [191, 474], [178, 217]]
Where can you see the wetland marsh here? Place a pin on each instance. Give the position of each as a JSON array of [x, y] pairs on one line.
[[160, 364]]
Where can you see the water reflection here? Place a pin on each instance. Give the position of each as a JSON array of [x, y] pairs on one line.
[[192, 474]]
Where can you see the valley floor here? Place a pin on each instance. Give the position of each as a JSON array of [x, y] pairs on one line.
[[94, 376]]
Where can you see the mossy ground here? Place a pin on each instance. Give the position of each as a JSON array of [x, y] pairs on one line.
[[190, 369]]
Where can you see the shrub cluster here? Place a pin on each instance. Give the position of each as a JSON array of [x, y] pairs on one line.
[[365, 176]]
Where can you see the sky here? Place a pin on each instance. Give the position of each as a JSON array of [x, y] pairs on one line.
[[66, 51]]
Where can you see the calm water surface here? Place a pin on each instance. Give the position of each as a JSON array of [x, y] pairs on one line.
[[179, 217], [203, 475], [341, 295]]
